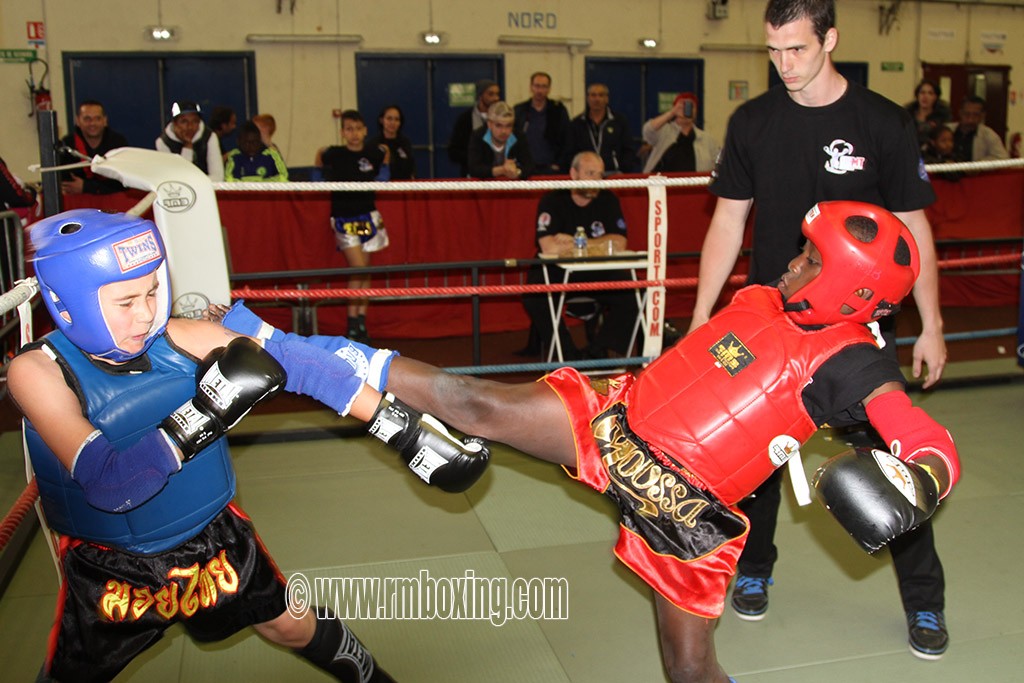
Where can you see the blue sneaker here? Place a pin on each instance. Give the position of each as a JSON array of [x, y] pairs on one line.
[[928, 635], [750, 597]]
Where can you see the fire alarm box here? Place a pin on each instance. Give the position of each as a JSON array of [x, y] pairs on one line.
[[718, 9]]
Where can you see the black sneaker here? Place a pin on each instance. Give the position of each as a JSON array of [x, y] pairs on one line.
[[750, 597], [358, 334], [929, 638]]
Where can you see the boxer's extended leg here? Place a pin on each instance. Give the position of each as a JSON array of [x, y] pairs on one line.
[[529, 417], [687, 645]]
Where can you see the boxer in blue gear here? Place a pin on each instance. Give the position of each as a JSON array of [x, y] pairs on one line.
[[126, 412]]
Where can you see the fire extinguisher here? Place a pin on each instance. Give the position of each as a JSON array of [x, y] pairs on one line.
[[40, 96], [42, 99]]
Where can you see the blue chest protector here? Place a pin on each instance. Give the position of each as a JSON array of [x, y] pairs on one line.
[[124, 406]]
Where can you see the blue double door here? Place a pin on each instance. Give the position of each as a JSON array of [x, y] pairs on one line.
[[427, 91]]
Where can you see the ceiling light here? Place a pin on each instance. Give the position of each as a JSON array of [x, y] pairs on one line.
[[162, 33], [648, 43], [433, 37]]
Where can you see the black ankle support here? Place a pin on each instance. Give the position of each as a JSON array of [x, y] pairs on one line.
[[336, 650]]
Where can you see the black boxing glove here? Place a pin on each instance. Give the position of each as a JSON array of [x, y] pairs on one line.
[[876, 496], [230, 380], [427, 447]]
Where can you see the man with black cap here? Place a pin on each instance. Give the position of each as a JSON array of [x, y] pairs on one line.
[[487, 93], [187, 135]]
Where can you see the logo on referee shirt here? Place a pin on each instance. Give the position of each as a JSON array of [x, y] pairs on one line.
[[841, 159]]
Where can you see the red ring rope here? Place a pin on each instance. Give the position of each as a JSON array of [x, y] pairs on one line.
[[17, 513]]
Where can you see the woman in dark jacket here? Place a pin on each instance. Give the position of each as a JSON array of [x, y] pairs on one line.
[[928, 110], [403, 163]]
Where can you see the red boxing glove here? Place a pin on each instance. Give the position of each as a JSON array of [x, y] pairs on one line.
[[911, 433]]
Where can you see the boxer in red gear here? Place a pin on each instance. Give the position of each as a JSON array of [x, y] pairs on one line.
[[677, 447]]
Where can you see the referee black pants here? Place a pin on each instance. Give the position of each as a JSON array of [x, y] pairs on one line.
[[918, 568], [919, 572]]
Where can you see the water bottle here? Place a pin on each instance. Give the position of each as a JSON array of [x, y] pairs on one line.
[[579, 242]]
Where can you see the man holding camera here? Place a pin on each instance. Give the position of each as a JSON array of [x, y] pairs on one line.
[[677, 144]]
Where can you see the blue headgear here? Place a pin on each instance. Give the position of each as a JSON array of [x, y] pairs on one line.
[[76, 253]]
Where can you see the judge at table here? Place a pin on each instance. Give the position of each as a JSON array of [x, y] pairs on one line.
[[610, 315]]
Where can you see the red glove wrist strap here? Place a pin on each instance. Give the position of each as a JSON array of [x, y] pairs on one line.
[[911, 433]]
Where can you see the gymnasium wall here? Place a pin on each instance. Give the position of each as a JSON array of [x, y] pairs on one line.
[[302, 83]]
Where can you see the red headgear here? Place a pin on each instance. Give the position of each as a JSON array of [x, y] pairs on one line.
[[862, 246]]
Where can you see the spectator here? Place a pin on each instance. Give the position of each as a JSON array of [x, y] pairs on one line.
[[974, 140], [601, 130], [358, 226], [941, 150], [559, 213], [545, 123], [268, 126], [253, 161], [187, 135], [677, 144], [403, 163], [223, 122], [494, 151], [91, 137], [487, 93], [928, 110]]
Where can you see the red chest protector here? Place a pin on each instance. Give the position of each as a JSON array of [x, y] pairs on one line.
[[725, 402]]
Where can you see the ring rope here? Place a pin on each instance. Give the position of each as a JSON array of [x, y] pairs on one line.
[[22, 292], [16, 514], [463, 185], [468, 290], [498, 290], [995, 259], [525, 185]]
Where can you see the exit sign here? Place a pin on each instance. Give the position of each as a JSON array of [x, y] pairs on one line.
[[17, 56], [892, 66]]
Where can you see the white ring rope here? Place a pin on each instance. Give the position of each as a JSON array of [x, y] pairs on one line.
[[464, 185], [475, 185], [22, 292], [470, 185], [64, 167], [957, 166]]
